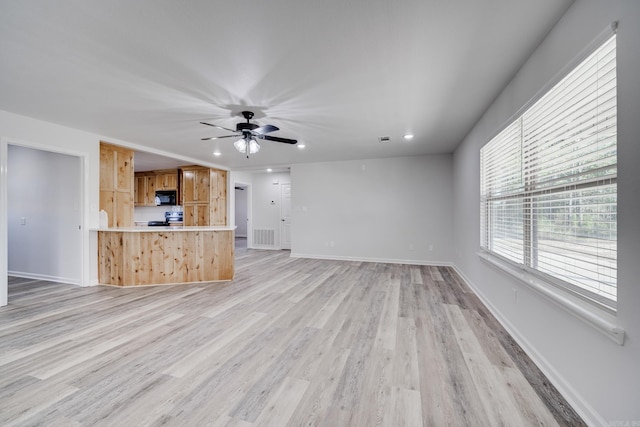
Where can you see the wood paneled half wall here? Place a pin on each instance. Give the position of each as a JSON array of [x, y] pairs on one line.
[[134, 258]]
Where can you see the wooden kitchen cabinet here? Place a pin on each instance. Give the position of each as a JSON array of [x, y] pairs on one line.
[[196, 184], [117, 184], [140, 192], [188, 186], [196, 214], [218, 210], [145, 189], [167, 180], [147, 183], [150, 199], [204, 196]]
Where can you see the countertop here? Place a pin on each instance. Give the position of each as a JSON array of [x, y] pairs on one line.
[[147, 229]]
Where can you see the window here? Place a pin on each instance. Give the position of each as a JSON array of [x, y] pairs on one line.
[[548, 184]]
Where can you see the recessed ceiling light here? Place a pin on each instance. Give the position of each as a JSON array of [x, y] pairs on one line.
[[408, 136], [269, 170], [301, 146], [217, 153]]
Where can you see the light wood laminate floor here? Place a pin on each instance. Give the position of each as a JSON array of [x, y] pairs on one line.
[[290, 342]]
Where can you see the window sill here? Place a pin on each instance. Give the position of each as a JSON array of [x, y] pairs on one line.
[[598, 318]]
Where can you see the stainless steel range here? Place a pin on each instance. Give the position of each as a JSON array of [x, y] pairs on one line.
[[173, 217]]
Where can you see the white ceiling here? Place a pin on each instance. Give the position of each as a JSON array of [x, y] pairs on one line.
[[335, 75]]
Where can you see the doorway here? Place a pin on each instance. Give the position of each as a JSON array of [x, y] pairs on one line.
[[241, 219], [44, 237]]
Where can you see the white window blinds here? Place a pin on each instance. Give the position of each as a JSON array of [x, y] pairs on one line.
[[548, 183]]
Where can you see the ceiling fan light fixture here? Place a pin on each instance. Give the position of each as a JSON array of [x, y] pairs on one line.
[[254, 147], [241, 145]]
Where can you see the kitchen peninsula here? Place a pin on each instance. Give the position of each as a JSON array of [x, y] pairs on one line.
[[200, 251], [134, 256]]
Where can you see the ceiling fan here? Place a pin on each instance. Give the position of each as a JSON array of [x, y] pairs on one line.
[[249, 133]]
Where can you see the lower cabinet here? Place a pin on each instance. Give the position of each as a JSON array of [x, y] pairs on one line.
[[196, 214]]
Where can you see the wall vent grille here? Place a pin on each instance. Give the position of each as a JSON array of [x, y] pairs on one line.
[[264, 236]]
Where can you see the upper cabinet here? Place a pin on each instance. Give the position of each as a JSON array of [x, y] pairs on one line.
[[167, 180], [202, 192], [147, 183], [140, 196], [204, 196], [117, 184], [218, 197]]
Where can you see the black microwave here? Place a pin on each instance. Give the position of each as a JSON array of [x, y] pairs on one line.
[[166, 197]]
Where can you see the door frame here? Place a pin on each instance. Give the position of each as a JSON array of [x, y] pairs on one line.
[[4, 230], [247, 188], [244, 195], [282, 223]]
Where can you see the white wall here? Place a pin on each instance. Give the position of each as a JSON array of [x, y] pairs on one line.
[[24, 131], [44, 194], [600, 378], [150, 213], [388, 210], [262, 188]]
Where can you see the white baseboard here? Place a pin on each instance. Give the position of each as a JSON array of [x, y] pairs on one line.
[[265, 248], [365, 259], [577, 402], [46, 277]]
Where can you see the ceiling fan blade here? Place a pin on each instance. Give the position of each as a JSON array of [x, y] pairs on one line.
[[278, 139], [219, 127], [218, 137], [265, 129]]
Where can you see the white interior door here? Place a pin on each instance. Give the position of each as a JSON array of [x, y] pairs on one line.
[[285, 216]]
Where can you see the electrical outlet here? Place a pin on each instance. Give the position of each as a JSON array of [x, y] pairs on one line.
[[23, 220], [430, 247]]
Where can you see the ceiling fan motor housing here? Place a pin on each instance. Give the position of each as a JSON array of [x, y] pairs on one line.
[[242, 127], [251, 131], [246, 129]]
